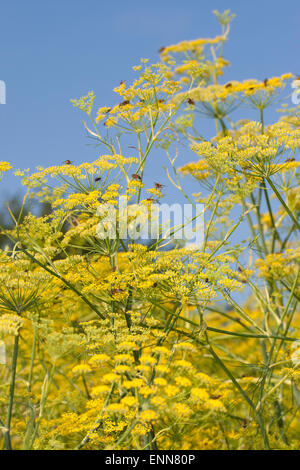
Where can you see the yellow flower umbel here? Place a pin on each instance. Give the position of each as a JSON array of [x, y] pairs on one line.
[[4, 166], [118, 343]]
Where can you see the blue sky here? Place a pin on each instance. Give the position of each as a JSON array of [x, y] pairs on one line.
[[53, 51]]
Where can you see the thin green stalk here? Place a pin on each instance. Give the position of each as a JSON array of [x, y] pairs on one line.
[[243, 393], [32, 358], [44, 396], [7, 437], [291, 229], [291, 215], [86, 439], [257, 210], [275, 232]]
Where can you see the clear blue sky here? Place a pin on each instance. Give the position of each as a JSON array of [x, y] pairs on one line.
[[56, 50]]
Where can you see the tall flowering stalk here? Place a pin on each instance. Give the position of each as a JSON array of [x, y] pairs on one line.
[[117, 344]]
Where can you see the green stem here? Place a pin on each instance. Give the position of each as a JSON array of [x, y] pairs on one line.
[[7, 438], [291, 215], [260, 227], [243, 393], [275, 232], [32, 358]]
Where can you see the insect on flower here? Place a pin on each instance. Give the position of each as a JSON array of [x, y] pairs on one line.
[[136, 177], [158, 185], [266, 81], [116, 291], [190, 101], [161, 50], [68, 162], [228, 85], [124, 103]]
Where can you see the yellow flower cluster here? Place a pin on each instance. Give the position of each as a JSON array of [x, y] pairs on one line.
[[120, 343], [276, 265], [247, 149], [10, 324], [4, 166], [233, 89]]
